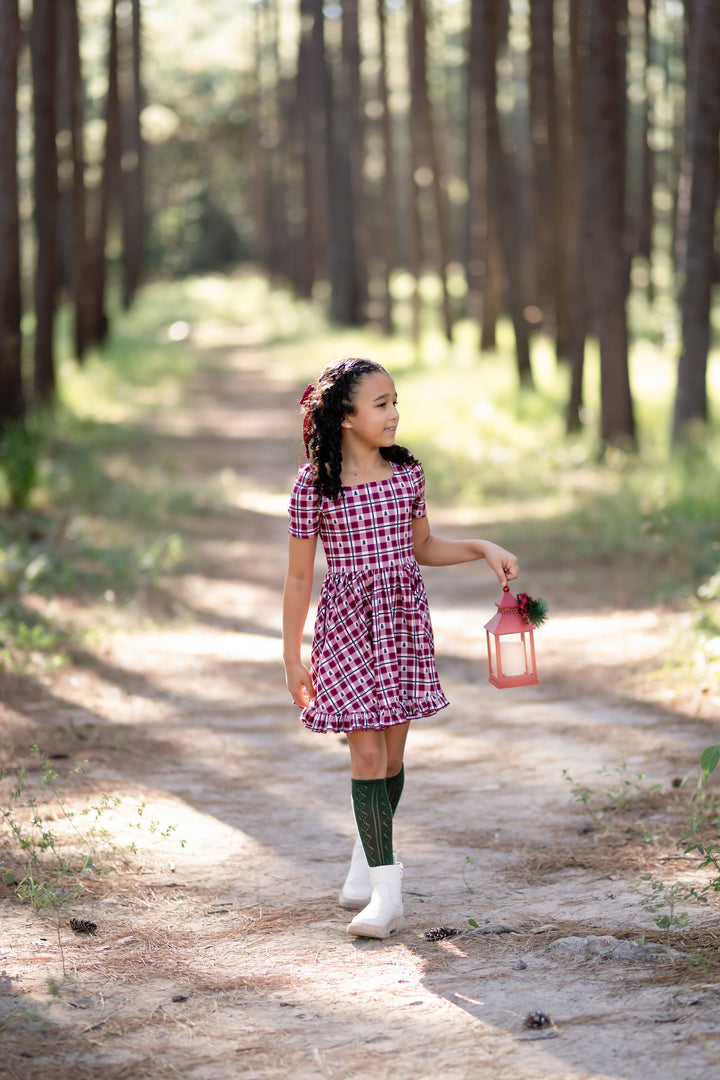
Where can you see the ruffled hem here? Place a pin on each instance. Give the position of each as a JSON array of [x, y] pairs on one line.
[[321, 720]]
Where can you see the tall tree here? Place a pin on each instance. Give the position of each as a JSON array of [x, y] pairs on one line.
[[73, 254], [43, 48], [311, 146], [580, 187], [644, 214], [697, 205], [501, 185], [427, 152], [348, 286], [478, 217], [97, 314], [12, 402], [603, 153], [388, 176], [545, 174], [131, 157]]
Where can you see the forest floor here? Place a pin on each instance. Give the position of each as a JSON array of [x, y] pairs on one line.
[[226, 955]]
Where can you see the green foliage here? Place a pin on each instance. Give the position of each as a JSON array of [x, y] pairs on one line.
[[102, 523], [662, 899], [51, 846], [703, 830], [709, 760], [45, 873], [20, 448]]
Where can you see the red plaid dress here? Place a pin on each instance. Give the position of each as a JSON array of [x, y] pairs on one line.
[[373, 657]]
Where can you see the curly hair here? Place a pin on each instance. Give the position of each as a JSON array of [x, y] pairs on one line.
[[332, 398]]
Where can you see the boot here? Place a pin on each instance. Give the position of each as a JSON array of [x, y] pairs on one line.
[[383, 916], [357, 890]]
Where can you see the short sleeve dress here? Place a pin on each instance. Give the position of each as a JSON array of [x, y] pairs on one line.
[[373, 659]]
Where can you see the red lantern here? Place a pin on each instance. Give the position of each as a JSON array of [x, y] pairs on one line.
[[511, 647]]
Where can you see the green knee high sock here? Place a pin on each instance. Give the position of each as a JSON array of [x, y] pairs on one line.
[[373, 814], [395, 786]]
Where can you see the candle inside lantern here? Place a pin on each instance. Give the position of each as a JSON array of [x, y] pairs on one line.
[[512, 655]]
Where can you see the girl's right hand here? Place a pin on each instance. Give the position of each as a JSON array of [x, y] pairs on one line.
[[300, 684]]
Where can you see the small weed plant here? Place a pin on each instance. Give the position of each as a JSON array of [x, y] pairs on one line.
[[661, 898], [703, 831], [621, 790], [51, 847]]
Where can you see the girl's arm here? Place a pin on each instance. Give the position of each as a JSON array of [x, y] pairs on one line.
[[296, 601], [432, 550]]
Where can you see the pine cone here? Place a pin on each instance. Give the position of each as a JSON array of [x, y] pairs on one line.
[[83, 926], [437, 933], [537, 1019]]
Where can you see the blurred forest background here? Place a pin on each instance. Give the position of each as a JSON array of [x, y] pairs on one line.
[[517, 198]]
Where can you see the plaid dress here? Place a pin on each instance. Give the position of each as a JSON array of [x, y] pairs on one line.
[[373, 658]]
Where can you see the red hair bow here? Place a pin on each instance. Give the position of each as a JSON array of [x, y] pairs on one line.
[[307, 418]]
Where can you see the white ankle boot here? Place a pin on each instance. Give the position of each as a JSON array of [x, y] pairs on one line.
[[383, 916], [357, 890]]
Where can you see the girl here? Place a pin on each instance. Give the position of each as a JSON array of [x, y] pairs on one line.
[[373, 666]]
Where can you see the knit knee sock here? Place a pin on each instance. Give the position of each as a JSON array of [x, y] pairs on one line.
[[394, 785], [373, 814]]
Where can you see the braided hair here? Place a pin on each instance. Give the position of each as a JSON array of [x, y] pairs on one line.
[[325, 405]]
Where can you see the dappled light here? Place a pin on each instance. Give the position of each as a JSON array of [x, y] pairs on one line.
[[512, 208]]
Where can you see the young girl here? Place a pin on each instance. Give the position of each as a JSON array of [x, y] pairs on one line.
[[373, 666]]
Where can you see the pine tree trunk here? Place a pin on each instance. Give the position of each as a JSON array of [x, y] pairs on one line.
[[696, 219], [428, 149], [356, 139], [347, 291], [501, 192], [311, 147], [478, 256], [12, 401], [75, 275], [43, 47], [579, 214], [131, 154], [388, 178], [97, 318], [604, 154], [543, 130]]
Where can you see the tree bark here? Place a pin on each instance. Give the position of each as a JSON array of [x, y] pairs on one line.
[[388, 178], [98, 320], [696, 218], [311, 147], [501, 190], [347, 291], [43, 47], [131, 150], [543, 130], [604, 154], [581, 194], [478, 257], [428, 149], [12, 400], [74, 274]]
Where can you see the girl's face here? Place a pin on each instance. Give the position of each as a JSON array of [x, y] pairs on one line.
[[375, 417]]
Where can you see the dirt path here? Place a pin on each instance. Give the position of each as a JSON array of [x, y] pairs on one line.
[[228, 957]]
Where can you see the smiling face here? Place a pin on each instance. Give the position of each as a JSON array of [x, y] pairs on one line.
[[375, 417]]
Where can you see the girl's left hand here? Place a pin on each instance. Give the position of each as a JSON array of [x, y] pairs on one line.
[[503, 563]]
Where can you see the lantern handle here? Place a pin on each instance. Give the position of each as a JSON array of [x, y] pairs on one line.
[[506, 587]]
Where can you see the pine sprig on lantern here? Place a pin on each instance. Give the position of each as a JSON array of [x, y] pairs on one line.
[[533, 611]]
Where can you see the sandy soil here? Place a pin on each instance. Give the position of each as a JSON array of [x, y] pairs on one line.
[[228, 956]]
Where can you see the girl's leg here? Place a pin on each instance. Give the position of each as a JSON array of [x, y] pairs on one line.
[[357, 888], [395, 738], [373, 811], [374, 756], [376, 759]]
